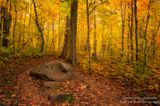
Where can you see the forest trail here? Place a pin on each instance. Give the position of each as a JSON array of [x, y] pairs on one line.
[[87, 89], [117, 41]]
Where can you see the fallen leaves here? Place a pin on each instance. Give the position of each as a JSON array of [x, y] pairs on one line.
[[81, 87], [9, 72], [87, 89]]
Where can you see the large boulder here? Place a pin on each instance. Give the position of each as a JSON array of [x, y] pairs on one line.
[[57, 71]]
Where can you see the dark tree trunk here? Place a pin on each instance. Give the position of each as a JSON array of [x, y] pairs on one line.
[[69, 49], [123, 11], [5, 23], [145, 38], [88, 37], [14, 26], [131, 31], [136, 28], [59, 31], [74, 10], [53, 36], [65, 50], [95, 37], [39, 27]]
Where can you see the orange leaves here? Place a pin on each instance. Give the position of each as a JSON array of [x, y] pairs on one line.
[[143, 2], [81, 87]]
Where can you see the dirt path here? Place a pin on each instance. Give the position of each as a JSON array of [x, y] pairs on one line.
[[88, 90], [29, 92]]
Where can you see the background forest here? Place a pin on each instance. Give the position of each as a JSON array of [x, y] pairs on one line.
[[116, 39]]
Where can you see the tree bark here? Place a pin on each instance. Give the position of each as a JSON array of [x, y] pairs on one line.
[[14, 26], [5, 23], [53, 36], [69, 49], [145, 37], [59, 31], [123, 11], [136, 28], [88, 37], [74, 11], [131, 31], [39, 27], [65, 51], [95, 37]]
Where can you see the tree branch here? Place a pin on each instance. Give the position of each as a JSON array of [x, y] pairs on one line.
[[154, 35], [97, 6]]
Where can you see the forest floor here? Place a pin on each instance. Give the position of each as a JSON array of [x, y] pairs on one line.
[[19, 89]]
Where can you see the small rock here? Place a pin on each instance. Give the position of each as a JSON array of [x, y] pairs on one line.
[[61, 98], [53, 85], [1, 104]]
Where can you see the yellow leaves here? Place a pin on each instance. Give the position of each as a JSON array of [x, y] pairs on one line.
[[2, 2], [97, 66], [155, 87]]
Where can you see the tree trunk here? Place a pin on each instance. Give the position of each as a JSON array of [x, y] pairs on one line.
[[20, 33], [103, 41], [14, 26], [24, 26], [95, 37], [123, 27], [59, 31], [74, 10], [65, 51], [145, 38], [2, 27], [69, 49], [5, 23], [131, 31], [53, 36], [128, 59], [136, 28], [88, 37], [39, 27]]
